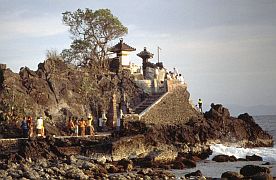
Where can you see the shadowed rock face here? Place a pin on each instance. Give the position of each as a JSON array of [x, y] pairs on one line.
[[58, 90]]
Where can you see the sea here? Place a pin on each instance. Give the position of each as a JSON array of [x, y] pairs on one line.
[[215, 169]]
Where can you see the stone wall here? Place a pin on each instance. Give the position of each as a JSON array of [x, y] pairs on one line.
[[173, 108]]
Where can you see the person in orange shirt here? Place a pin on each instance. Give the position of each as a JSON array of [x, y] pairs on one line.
[[82, 125]]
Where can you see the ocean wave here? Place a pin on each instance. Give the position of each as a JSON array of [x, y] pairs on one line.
[[267, 153]]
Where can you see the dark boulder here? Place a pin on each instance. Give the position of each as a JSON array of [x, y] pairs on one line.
[[221, 158], [194, 174], [250, 170], [262, 176], [231, 175], [232, 159], [254, 158], [127, 164], [178, 165], [189, 163]]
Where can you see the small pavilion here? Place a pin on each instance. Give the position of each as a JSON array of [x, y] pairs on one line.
[[122, 50]]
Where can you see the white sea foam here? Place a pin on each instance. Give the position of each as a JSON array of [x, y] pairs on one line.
[[267, 153]]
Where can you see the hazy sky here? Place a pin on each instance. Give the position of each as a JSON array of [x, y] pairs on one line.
[[226, 49]]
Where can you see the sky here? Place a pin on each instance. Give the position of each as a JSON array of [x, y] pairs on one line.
[[225, 49]]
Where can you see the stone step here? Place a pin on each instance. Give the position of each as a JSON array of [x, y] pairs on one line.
[[147, 103]]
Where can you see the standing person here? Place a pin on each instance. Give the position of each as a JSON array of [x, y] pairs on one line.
[[120, 118], [71, 126], [180, 79], [25, 128], [31, 126], [39, 126], [200, 105], [76, 126], [90, 128], [82, 125], [175, 71], [104, 120]]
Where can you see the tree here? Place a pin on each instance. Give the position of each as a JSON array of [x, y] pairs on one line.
[[91, 32]]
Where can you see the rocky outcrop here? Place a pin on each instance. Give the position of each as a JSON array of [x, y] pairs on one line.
[[172, 109], [58, 90]]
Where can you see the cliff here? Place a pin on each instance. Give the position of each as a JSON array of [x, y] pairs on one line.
[[57, 90]]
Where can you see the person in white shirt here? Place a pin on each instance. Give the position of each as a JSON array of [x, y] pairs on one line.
[[39, 127], [180, 79]]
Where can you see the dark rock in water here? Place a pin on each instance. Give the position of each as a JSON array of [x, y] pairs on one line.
[[262, 176], [266, 163], [178, 165], [189, 163], [232, 159], [254, 158], [231, 175], [250, 170], [145, 171], [221, 158], [194, 174], [242, 159]]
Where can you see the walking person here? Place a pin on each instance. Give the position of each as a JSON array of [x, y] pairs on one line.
[[25, 128], [200, 102]]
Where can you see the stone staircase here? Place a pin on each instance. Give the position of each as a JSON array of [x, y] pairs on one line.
[[146, 103]]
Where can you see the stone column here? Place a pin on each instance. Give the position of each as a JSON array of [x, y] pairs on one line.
[[112, 113]]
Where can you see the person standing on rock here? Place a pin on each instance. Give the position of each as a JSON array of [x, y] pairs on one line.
[[82, 125], [200, 102], [90, 128], [71, 126], [25, 128], [76, 126], [31, 126], [39, 127]]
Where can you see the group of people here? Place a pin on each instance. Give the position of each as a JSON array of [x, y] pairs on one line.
[[27, 126], [175, 75], [81, 127]]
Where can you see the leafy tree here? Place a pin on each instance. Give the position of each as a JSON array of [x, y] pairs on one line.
[[91, 32]]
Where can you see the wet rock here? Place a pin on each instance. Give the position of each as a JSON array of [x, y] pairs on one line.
[[189, 163], [242, 159], [254, 158], [250, 170], [127, 164], [262, 176], [231, 175], [232, 159], [194, 174], [87, 165], [221, 158], [178, 165], [112, 169], [145, 171]]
